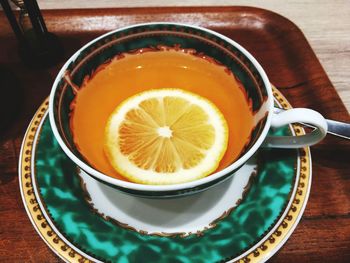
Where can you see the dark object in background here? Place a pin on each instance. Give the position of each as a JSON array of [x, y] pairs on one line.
[[11, 99], [37, 47]]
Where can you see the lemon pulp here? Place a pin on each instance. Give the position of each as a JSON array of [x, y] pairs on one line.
[[165, 136]]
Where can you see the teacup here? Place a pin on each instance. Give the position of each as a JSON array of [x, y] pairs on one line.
[[208, 44]]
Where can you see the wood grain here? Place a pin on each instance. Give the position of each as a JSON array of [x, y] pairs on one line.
[[323, 233], [326, 25]]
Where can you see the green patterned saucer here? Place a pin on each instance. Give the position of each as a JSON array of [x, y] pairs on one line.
[[246, 219]]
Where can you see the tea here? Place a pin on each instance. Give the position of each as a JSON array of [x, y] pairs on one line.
[[129, 74]]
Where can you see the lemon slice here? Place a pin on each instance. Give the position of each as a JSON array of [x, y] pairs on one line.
[[165, 136]]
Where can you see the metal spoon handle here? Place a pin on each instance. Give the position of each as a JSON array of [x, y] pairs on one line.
[[337, 128]]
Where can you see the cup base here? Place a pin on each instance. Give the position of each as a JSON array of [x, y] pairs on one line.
[[184, 216]]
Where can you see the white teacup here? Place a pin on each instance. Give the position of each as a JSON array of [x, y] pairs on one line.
[[210, 43]]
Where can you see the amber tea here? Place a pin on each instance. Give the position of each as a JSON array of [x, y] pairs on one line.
[[129, 74]]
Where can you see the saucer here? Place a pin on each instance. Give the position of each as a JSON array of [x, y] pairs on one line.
[[247, 218]]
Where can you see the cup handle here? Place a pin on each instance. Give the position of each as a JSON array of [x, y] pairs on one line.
[[297, 115]]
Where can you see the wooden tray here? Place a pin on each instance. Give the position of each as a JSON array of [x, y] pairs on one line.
[[324, 231]]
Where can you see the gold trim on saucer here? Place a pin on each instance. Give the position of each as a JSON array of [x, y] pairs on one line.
[[278, 237], [35, 214]]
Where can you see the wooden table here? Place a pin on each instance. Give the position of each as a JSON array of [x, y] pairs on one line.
[[326, 25], [324, 231]]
